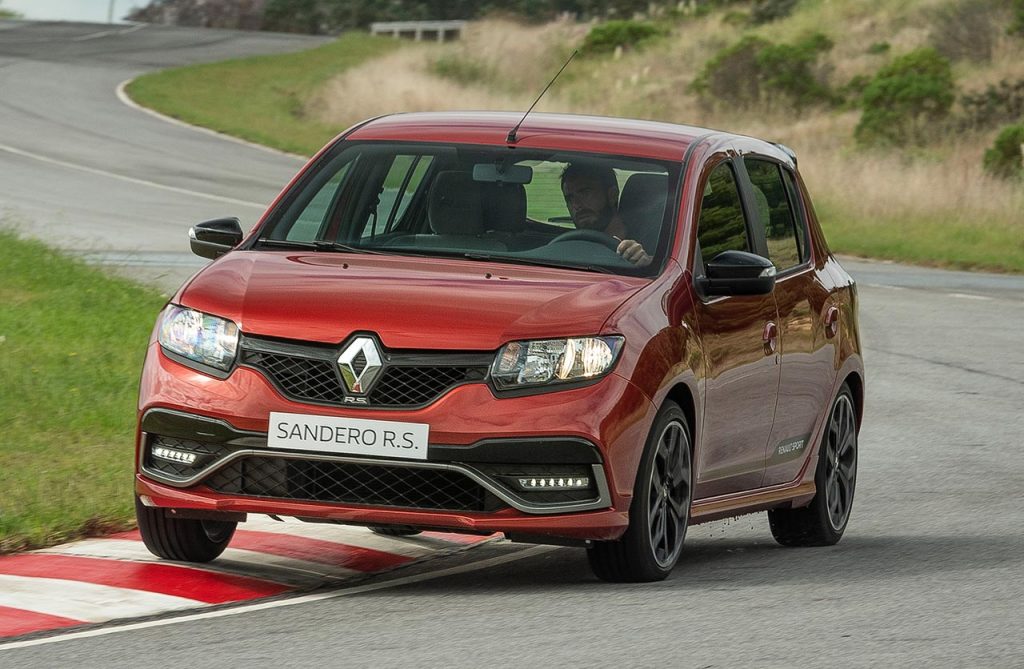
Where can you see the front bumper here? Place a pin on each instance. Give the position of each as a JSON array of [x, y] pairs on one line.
[[478, 444]]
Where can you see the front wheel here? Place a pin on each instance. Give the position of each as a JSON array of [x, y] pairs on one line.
[[823, 521], [660, 511], [182, 539]]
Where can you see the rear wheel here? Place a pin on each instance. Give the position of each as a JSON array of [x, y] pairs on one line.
[[394, 530], [182, 539], [823, 521], [660, 511]]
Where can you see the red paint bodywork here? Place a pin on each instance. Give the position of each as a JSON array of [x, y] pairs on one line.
[[706, 355]]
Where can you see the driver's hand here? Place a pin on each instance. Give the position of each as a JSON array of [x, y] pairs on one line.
[[631, 250]]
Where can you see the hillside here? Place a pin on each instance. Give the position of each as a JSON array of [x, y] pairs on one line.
[[908, 188], [927, 203]]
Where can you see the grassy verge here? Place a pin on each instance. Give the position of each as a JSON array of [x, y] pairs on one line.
[[72, 340], [953, 245], [261, 99]]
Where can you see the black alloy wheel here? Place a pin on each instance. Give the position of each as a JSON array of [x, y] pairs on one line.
[[660, 512], [823, 521], [182, 539]]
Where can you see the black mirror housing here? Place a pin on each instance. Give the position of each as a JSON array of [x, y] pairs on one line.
[[738, 273], [212, 239]]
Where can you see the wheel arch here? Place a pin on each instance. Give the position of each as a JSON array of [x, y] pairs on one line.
[[856, 384], [682, 395]]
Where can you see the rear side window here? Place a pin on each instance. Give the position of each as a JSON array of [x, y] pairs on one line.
[[722, 226], [786, 244]]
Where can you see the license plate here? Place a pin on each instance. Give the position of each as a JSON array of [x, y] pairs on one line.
[[348, 436]]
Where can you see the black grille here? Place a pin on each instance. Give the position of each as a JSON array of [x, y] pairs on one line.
[[344, 482], [410, 386], [314, 377], [206, 453], [302, 378]]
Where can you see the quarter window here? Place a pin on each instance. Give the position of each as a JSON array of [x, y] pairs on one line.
[[722, 226], [775, 213]]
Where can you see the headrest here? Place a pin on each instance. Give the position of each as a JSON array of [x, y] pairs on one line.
[[455, 207], [642, 207], [644, 192], [504, 206]]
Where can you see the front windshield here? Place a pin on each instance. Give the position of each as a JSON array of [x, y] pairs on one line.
[[582, 211]]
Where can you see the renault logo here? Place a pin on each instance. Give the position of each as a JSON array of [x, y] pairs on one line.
[[360, 365]]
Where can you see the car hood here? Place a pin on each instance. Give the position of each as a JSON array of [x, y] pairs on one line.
[[409, 302]]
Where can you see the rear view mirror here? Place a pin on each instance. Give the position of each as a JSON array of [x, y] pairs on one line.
[[738, 273], [501, 173], [212, 239]]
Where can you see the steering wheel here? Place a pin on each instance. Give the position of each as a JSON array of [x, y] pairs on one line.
[[585, 235]]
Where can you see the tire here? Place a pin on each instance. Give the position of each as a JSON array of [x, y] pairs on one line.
[[182, 539], [660, 511], [823, 521], [394, 530]]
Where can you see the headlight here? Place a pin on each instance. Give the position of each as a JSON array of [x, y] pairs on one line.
[[522, 364], [200, 337]]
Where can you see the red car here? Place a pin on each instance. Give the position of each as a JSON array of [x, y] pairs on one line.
[[589, 332]]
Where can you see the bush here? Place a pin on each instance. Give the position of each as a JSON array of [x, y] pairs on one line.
[[462, 70], [906, 98], [754, 69], [766, 11], [1005, 158], [996, 104], [879, 48], [1017, 23], [965, 29], [605, 37]]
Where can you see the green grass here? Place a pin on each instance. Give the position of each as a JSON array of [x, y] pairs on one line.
[[72, 341], [969, 246], [261, 99]]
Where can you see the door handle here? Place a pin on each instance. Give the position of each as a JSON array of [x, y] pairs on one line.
[[831, 322], [770, 338]]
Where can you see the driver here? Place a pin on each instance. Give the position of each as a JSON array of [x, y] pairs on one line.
[[592, 195]]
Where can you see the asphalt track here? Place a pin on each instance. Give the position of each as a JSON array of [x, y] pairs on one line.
[[928, 574]]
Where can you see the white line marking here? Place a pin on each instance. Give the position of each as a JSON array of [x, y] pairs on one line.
[[132, 180], [85, 601], [967, 296], [304, 599], [104, 33], [122, 95]]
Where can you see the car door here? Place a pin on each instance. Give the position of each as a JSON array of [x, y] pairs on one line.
[[802, 300], [738, 340]]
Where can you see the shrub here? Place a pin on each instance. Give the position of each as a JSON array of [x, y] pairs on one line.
[[879, 48], [965, 29], [605, 37], [1005, 158], [1017, 23], [766, 11], [906, 98], [788, 69], [754, 69], [996, 104]]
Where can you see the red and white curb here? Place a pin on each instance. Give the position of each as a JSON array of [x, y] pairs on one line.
[[97, 580]]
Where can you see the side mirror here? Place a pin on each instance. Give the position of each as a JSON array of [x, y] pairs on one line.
[[738, 273], [212, 239]]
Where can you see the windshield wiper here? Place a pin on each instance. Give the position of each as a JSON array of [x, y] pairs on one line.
[[516, 260], [325, 245]]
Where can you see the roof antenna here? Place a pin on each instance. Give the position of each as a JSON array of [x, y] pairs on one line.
[[511, 139]]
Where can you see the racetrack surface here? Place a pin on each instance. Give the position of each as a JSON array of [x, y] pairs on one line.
[[929, 573]]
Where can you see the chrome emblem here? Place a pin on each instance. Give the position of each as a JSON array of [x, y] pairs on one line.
[[360, 365]]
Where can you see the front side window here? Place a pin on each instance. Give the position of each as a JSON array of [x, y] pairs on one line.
[[775, 213], [541, 207], [722, 225]]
